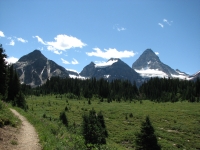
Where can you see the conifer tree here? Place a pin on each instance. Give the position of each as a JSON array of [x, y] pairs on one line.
[[20, 101], [63, 118], [3, 73], [146, 139], [93, 130], [11, 89]]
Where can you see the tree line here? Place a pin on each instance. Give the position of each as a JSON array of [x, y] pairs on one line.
[[155, 89], [115, 90], [170, 90]]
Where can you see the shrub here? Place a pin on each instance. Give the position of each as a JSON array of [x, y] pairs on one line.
[[64, 119]]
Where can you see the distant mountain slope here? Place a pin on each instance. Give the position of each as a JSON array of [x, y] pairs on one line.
[[149, 65], [114, 68], [195, 76], [34, 69]]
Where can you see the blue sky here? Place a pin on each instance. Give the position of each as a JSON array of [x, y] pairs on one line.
[[74, 33]]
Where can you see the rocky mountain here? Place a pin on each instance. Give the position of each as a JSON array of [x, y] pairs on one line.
[[195, 76], [34, 69], [149, 65], [114, 68]]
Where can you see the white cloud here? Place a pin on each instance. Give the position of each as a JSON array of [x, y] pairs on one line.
[[110, 53], [165, 20], [118, 28], [39, 39], [74, 62], [160, 24], [62, 43], [11, 60], [12, 43], [64, 61], [57, 52], [22, 40], [1, 34], [156, 53], [121, 29]]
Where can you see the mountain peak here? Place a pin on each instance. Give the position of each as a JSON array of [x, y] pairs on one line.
[[113, 59], [34, 55], [34, 69], [148, 57], [149, 65]]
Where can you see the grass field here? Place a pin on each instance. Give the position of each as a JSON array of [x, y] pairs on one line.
[[7, 117], [177, 125]]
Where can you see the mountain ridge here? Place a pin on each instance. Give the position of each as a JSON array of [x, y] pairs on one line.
[[34, 69]]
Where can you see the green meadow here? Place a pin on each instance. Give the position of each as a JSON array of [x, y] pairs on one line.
[[177, 125]]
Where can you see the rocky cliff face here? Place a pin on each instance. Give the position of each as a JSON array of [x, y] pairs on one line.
[[114, 68], [34, 69]]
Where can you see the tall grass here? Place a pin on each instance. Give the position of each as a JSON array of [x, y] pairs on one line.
[[177, 125], [6, 116]]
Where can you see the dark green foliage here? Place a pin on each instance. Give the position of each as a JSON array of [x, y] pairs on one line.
[[146, 139], [102, 122], [94, 129], [44, 115], [114, 90], [3, 73], [63, 118], [10, 87], [66, 108], [170, 90], [20, 101], [89, 102], [14, 86], [131, 115]]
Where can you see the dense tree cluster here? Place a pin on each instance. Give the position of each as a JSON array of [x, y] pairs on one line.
[[155, 89], [115, 90], [10, 87], [173, 90], [3, 73]]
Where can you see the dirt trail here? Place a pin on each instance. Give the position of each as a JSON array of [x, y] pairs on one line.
[[27, 139]]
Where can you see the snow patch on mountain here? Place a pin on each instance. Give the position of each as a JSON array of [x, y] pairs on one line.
[[180, 76], [148, 73], [77, 77], [106, 76], [72, 70], [106, 64]]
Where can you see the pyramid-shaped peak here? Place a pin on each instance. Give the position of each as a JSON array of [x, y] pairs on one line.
[[36, 51], [113, 59], [34, 55], [148, 57], [149, 52]]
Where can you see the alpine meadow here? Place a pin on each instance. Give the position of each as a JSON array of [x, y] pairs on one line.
[[100, 75], [97, 114]]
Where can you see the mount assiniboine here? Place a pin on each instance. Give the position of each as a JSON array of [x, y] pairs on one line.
[[34, 69], [149, 65]]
